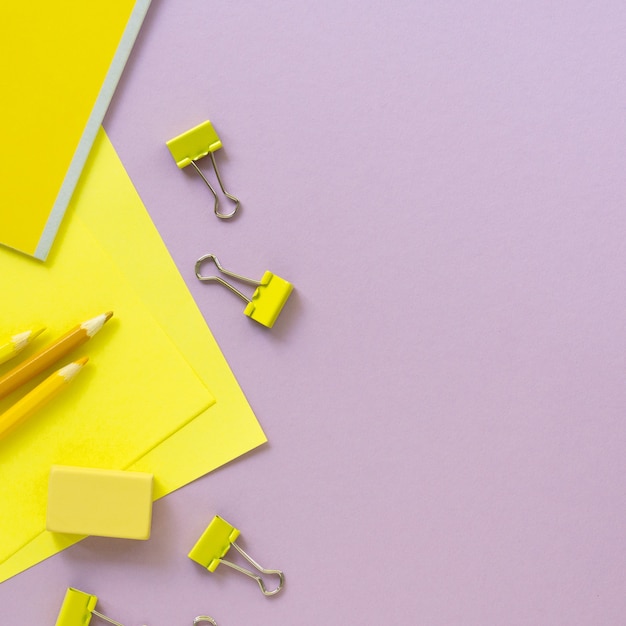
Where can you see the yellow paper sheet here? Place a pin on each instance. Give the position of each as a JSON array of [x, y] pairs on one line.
[[60, 64], [107, 204], [136, 391]]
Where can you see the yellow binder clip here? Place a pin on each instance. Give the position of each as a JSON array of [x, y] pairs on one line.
[[216, 541], [78, 608], [268, 299], [191, 146]]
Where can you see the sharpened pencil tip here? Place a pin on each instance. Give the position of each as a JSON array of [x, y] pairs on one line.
[[36, 332], [21, 340], [71, 369], [93, 325]]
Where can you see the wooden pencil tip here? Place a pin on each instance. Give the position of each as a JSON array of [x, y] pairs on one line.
[[82, 361], [108, 315]]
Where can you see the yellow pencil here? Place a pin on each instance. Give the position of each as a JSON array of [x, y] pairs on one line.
[[37, 363], [39, 396], [17, 343]]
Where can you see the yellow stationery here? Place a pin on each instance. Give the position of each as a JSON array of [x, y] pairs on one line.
[[61, 63], [105, 503], [138, 390], [39, 396], [17, 343], [108, 215]]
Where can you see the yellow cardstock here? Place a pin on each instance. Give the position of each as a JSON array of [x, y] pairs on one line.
[[136, 390], [110, 237]]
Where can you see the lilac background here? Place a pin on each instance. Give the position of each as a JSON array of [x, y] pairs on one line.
[[444, 394]]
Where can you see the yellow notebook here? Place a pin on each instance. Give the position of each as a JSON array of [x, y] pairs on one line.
[[61, 62]]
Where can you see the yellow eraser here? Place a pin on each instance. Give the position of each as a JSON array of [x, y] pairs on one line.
[[106, 503]]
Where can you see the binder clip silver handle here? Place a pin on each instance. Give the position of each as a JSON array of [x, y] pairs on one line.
[[222, 216], [105, 618], [276, 572], [203, 278]]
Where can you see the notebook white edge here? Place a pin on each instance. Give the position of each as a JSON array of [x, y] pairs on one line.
[[91, 129]]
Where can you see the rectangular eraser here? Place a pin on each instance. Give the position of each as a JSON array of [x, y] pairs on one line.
[[106, 503]]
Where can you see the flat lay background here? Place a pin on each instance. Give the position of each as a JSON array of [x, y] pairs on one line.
[[443, 394]]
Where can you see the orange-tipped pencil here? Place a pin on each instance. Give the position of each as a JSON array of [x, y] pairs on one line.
[[37, 363], [40, 395]]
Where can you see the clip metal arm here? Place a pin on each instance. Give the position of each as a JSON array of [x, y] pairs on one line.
[[222, 216], [276, 572], [212, 257], [105, 618]]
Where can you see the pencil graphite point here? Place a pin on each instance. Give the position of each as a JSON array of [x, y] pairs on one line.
[[21, 340], [36, 332], [17, 343], [93, 325], [71, 369]]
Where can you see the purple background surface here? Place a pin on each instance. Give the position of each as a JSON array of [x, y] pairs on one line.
[[444, 395]]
